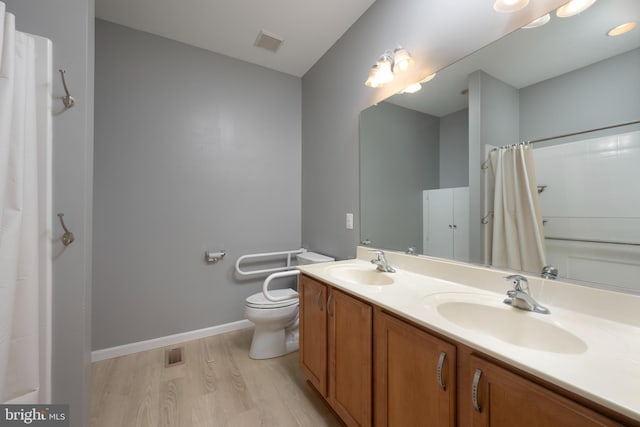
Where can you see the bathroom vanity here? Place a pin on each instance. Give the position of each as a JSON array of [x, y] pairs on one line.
[[433, 344]]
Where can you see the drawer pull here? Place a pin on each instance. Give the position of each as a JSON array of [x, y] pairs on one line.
[[474, 390], [329, 304], [319, 300], [443, 356]]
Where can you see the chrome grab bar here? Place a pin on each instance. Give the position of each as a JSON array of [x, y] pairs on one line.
[[264, 255]]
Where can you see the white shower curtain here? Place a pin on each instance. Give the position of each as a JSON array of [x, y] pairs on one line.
[[517, 238], [25, 211]]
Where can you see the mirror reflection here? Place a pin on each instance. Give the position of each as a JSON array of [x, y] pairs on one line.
[[430, 162]]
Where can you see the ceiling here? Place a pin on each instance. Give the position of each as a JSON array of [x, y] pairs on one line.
[[230, 27], [529, 56]]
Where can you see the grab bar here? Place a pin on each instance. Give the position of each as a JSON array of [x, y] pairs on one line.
[[268, 254], [265, 286], [607, 242]]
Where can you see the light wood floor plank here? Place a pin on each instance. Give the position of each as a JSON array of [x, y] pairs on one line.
[[217, 385]]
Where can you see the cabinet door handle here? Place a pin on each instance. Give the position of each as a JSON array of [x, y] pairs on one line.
[[474, 389], [319, 300], [329, 304], [443, 356]]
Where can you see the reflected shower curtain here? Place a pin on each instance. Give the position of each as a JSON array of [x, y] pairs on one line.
[[517, 238], [25, 199]]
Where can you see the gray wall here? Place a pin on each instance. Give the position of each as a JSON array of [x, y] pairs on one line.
[[601, 94], [398, 159], [493, 119], [69, 25], [334, 94], [194, 151], [454, 149]]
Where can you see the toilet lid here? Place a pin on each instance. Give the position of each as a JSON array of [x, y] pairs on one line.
[[259, 301]]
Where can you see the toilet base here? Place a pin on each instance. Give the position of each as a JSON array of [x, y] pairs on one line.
[[268, 343]]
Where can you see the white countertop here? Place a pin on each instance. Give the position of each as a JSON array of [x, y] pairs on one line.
[[602, 364]]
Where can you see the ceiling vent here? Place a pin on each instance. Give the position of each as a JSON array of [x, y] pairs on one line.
[[268, 41]]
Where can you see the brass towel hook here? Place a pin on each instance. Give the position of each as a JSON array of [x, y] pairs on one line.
[[67, 237], [67, 100]]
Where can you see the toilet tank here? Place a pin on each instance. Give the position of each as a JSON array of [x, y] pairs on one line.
[[312, 258]]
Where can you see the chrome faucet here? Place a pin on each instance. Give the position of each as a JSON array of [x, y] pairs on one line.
[[381, 262], [519, 296], [549, 272]]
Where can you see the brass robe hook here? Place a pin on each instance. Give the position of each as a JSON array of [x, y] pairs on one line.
[[67, 237]]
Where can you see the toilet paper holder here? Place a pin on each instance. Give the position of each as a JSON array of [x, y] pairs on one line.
[[213, 257]]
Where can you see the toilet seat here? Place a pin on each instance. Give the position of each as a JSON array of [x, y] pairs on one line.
[[259, 301]]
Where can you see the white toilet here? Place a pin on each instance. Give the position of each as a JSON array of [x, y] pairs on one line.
[[276, 323]]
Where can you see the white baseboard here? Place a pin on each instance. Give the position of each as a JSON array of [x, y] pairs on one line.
[[135, 347]]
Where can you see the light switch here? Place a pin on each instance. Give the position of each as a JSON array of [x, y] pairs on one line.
[[349, 221]]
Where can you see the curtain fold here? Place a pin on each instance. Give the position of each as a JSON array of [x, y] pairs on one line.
[[517, 238], [21, 210]]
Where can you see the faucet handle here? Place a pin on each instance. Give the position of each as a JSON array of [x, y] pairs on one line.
[[518, 281], [378, 252]]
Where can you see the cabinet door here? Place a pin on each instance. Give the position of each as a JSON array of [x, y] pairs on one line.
[[350, 358], [439, 240], [313, 332], [415, 376], [461, 223], [504, 399]]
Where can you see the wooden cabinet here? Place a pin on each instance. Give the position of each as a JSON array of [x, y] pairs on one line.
[[313, 332], [376, 369], [336, 349], [505, 399], [350, 358], [414, 377]]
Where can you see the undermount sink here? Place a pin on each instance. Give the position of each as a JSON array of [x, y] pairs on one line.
[[481, 314], [361, 275]]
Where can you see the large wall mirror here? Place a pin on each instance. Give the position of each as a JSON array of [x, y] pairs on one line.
[[569, 89]]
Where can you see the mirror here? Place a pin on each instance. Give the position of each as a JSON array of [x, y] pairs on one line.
[[565, 84]]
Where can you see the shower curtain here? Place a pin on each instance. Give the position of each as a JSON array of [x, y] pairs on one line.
[[25, 214], [517, 237]]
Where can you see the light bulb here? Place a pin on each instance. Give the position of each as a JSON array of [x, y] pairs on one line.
[[384, 74], [372, 80], [401, 59]]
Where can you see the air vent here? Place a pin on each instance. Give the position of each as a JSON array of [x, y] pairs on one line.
[[268, 41], [173, 357]]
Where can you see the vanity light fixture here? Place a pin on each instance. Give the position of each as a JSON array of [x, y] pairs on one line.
[[574, 7], [388, 64], [385, 69], [401, 60], [538, 22], [621, 29], [508, 6]]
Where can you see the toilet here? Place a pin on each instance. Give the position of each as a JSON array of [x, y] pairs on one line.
[[276, 323]]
